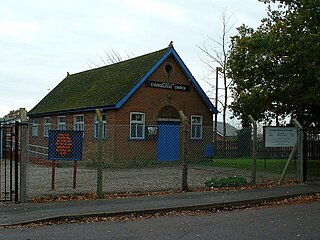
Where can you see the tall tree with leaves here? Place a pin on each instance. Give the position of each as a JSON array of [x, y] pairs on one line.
[[276, 68]]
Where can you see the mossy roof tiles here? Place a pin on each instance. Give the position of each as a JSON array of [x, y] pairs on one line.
[[99, 87]]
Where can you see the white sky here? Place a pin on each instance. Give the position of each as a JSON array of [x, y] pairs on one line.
[[40, 40]]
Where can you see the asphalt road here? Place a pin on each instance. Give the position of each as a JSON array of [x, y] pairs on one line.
[[300, 221]]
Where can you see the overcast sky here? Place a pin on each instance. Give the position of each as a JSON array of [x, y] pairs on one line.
[[42, 40]]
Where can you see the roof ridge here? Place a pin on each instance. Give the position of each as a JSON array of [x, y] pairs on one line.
[[102, 86], [121, 62]]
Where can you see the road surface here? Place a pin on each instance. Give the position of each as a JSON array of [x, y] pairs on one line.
[[299, 221]]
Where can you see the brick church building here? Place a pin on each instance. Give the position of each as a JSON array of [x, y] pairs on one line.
[[143, 95]]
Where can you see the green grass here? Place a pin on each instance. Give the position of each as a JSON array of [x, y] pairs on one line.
[[263, 165], [234, 181]]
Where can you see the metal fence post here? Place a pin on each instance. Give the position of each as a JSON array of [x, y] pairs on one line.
[[23, 155], [254, 151], [184, 121], [99, 160]]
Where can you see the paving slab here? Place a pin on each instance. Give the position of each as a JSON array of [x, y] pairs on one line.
[[16, 214]]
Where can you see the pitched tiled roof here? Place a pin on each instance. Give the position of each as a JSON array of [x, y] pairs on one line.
[[99, 87]]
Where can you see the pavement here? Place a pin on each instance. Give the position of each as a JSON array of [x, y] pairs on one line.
[[17, 214]]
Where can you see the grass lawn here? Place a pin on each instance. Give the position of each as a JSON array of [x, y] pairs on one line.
[[266, 165]]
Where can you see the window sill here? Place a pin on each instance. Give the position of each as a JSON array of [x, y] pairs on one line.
[[98, 139], [196, 139], [136, 139]]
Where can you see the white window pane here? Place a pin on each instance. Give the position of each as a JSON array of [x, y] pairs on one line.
[[96, 126], [196, 127], [137, 125]]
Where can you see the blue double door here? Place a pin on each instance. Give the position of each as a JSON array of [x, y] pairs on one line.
[[168, 141]]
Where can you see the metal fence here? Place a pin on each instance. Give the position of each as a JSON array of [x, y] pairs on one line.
[[311, 152], [131, 158], [9, 166]]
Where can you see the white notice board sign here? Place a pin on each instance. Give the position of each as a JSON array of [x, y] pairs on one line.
[[280, 136]]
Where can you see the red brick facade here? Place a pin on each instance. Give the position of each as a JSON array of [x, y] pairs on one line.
[[152, 100]]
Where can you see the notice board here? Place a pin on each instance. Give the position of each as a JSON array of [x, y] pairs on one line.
[[65, 145], [280, 136]]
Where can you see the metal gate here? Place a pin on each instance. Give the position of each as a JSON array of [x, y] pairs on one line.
[[9, 146], [311, 157]]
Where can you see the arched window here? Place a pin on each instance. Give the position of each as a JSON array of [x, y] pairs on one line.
[[168, 112]]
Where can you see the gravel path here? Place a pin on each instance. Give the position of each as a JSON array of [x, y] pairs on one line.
[[39, 179], [124, 180]]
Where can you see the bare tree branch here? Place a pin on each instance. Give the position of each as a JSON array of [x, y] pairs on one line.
[[110, 56], [216, 52]]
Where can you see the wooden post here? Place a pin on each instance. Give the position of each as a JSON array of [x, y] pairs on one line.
[[254, 151], [300, 149], [283, 174], [99, 160], [75, 168], [53, 175], [185, 124], [23, 155], [298, 146]]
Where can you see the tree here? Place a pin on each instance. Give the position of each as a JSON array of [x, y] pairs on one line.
[[216, 52], [275, 68], [110, 57], [13, 114]]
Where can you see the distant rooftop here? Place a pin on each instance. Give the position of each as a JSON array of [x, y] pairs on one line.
[[231, 131]]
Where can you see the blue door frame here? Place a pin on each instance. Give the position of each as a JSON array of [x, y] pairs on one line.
[[168, 141]]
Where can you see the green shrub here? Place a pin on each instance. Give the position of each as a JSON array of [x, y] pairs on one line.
[[234, 181]]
